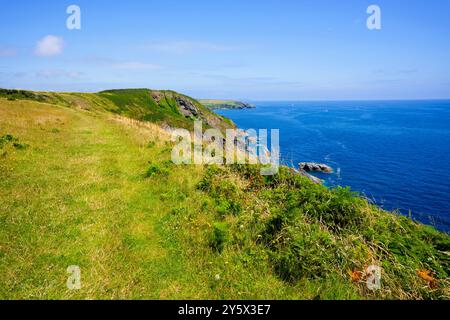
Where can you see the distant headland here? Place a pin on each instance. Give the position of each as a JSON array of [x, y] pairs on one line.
[[213, 104]]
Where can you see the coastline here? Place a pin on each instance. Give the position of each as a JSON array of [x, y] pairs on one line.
[[365, 150]]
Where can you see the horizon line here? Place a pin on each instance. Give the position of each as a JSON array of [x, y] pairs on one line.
[[243, 99]]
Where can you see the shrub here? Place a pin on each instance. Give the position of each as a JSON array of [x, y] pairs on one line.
[[9, 139], [343, 210], [339, 209], [156, 170], [304, 251], [178, 211], [167, 164], [224, 191], [20, 146], [312, 233], [276, 223], [218, 237], [210, 174], [5, 139], [226, 207]]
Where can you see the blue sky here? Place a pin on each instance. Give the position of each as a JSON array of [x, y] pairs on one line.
[[256, 50]]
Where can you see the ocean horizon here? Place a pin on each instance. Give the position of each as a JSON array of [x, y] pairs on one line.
[[393, 152]]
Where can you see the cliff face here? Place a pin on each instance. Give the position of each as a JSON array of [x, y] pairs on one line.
[[164, 106]]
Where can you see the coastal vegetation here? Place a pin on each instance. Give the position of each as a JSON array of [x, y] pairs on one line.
[[163, 107], [225, 104], [86, 180]]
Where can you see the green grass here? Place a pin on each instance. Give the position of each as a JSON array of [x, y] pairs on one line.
[[157, 106], [79, 196], [307, 232], [97, 190], [214, 104], [138, 103], [160, 107]]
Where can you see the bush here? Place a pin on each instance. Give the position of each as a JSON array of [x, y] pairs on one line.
[[339, 209], [20, 146], [224, 191], [312, 233], [5, 139], [304, 251], [179, 211], [226, 207], [156, 170], [276, 223], [210, 174], [218, 237], [343, 210], [9, 139]]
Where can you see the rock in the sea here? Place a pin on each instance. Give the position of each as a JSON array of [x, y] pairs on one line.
[[315, 167]]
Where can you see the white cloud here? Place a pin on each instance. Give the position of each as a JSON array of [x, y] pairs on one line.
[[182, 47], [49, 46], [133, 65]]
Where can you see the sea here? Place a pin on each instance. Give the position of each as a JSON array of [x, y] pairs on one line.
[[395, 153]]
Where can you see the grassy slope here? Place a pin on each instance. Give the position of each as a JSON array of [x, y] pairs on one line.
[[134, 103], [79, 195]]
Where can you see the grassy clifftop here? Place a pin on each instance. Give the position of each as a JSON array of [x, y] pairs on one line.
[[159, 106], [224, 104], [82, 182]]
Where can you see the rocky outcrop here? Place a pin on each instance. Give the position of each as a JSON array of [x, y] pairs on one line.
[[315, 167], [186, 107], [190, 109]]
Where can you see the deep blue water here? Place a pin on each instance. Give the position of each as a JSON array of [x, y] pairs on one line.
[[397, 153]]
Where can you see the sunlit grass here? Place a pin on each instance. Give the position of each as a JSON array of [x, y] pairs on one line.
[[95, 189]]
